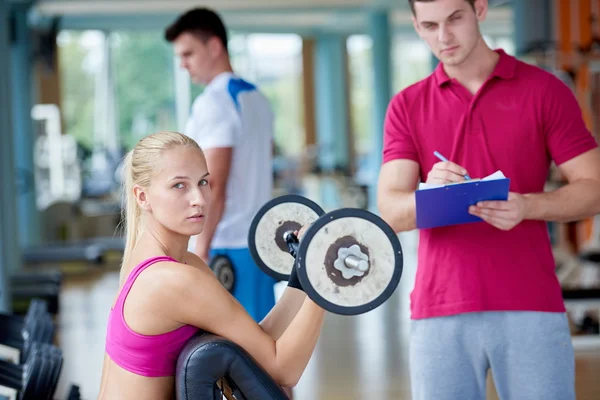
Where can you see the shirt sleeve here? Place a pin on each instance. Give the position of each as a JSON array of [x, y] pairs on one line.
[[398, 142], [213, 124], [566, 133]]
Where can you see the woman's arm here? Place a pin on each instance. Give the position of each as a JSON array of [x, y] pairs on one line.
[[194, 296], [280, 316], [284, 311], [286, 308]]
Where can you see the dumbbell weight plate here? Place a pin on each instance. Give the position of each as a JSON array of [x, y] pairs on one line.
[[319, 248], [265, 238], [223, 269]]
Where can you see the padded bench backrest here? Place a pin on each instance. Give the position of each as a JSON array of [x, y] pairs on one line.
[[207, 358]]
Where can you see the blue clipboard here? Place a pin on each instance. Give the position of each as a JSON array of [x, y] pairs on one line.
[[449, 205]]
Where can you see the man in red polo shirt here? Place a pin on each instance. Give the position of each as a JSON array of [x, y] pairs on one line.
[[486, 295]]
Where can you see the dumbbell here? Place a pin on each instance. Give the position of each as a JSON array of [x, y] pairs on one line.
[[349, 261]]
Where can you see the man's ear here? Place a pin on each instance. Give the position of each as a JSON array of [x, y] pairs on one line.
[[215, 47], [481, 9], [141, 198]]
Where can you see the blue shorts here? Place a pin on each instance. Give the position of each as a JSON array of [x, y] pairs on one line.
[[530, 356], [253, 288]]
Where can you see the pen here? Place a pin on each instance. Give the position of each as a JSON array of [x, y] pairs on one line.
[[441, 157]]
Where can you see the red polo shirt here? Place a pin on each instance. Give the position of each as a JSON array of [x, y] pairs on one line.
[[520, 120]]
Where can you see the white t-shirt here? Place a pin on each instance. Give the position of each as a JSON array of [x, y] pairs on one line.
[[231, 112]]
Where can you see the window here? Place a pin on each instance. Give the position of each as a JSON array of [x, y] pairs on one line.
[[85, 99], [80, 58], [411, 60], [116, 88], [144, 87], [360, 66]]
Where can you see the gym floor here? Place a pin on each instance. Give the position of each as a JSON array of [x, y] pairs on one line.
[[356, 358]]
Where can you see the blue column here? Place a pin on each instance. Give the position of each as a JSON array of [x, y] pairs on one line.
[[532, 21], [331, 114], [28, 216], [8, 226], [379, 30], [331, 94]]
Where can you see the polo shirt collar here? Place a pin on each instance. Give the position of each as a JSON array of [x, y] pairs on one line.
[[219, 80], [505, 68]]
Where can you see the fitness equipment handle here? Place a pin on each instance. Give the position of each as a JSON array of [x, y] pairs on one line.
[[292, 242]]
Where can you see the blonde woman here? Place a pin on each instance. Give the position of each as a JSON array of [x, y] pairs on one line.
[[168, 294]]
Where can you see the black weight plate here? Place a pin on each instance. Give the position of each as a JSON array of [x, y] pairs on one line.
[[265, 237], [323, 242]]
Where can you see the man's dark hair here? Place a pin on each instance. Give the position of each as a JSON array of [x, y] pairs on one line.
[[411, 3], [202, 22]]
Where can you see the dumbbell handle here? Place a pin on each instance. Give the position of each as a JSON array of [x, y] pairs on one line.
[[292, 242]]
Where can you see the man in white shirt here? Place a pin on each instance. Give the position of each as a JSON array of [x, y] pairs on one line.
[[233, 123]]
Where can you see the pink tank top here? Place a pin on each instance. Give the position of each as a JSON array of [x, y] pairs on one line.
[[146, 355]]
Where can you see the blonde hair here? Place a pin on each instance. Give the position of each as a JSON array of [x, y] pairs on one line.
[[139, 166]]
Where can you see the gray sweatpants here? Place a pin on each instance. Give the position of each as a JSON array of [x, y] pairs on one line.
[[530, 355]]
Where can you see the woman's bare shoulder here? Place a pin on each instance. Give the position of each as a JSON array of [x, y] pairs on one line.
[[162, 267], [179, 290], [176, 277], [169, 284], [170, 271]]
